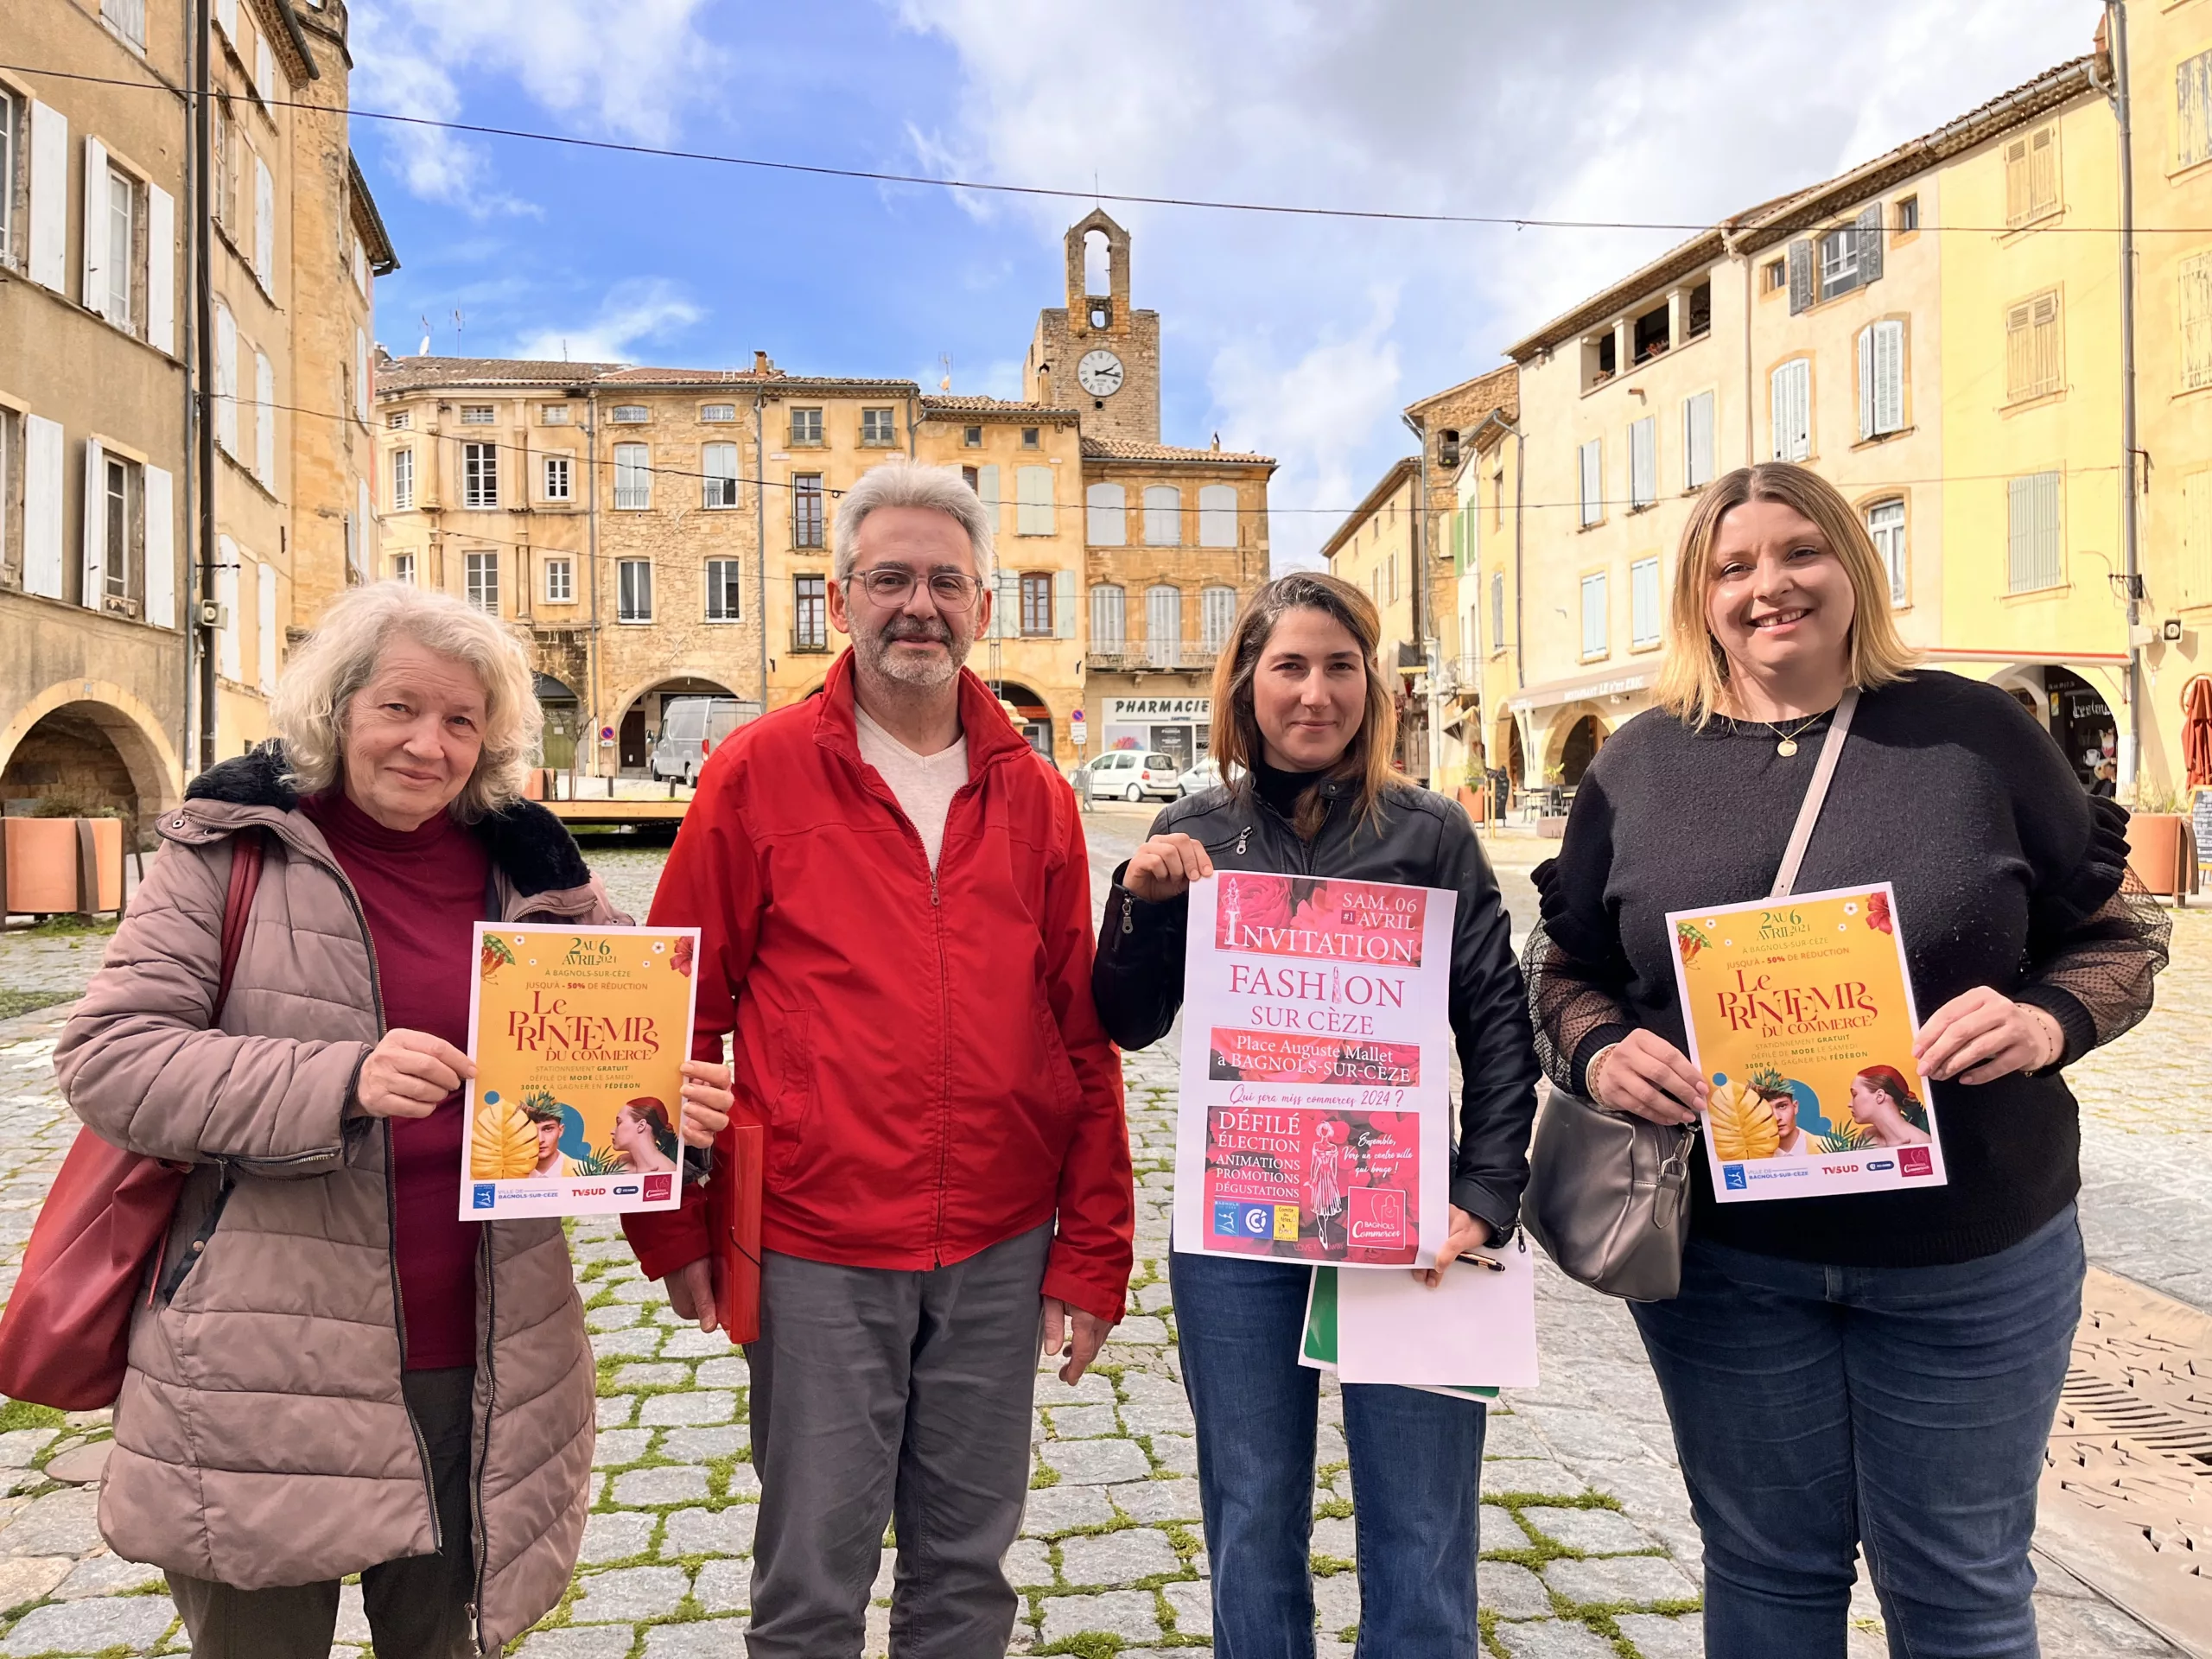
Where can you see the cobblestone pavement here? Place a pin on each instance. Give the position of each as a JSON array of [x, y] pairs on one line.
[[1587, 1542]]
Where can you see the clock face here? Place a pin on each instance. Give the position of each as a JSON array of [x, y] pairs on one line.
[[1099, 373]]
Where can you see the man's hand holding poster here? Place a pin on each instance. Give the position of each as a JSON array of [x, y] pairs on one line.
[[1314, 1121]]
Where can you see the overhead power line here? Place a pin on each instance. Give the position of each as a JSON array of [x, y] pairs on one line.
[[869, 175]]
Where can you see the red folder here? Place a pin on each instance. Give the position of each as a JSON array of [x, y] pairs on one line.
[[734, 1219]]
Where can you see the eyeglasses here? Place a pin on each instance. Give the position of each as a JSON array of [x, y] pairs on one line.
[[891, 584]]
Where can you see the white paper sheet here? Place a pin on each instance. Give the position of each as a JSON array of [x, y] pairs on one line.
[[1477, 1328]]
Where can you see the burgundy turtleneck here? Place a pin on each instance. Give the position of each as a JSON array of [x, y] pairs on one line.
[[422, 890]]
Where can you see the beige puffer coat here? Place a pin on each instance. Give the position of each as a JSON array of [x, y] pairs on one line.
[[261, 1438]]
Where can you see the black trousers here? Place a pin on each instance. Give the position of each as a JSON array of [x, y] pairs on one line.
[[417, 1606]]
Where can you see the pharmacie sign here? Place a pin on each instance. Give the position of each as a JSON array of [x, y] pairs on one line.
[[1160, 708]]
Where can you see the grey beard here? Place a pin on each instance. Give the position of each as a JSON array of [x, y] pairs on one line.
[[874, 653]]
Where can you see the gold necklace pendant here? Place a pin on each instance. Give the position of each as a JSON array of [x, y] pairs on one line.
[[1787, 748]]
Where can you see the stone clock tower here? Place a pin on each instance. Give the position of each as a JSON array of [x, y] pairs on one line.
[[1098, 356]]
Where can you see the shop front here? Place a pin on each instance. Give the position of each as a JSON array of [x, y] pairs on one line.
[[1179, 727]]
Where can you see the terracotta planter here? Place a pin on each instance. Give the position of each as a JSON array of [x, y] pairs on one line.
[[2162, 851], [50, 866]]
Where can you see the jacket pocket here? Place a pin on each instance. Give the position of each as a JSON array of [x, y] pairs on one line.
[[1062, 1091], [179, 1264], [797, 1092]]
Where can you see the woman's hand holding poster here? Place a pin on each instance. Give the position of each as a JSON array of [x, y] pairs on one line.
[[1314, 1123], [579, 1036], [1801, 1016]]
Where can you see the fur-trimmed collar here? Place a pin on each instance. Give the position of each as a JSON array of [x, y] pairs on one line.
[[532, 847]]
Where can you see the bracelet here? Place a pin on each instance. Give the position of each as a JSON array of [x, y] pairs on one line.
[[1590, 1070]]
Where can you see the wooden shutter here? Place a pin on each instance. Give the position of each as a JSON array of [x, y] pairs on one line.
[[1063, 604], [1593, 461], [160, 269], [1034, 514], [265, 421], [1867, 426], [2193, 110], [95, 536], [1697, 441], [2195, 306], [1801, 275], [160, 510], [2032, 533], [1644, 462], [265, 225], [1889, 375], [2043, 170], [2042, 332], [226, 380], [1870, 245], [94, 293], [1594, 621], [987, 490], [1790, 410], [2018, 196], [1105, 515], [363, 555], [226, 597], [265, 625], [49, 198], [42, 502]]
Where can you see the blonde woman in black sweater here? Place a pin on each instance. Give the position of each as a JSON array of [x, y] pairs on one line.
[[1877, 1369]]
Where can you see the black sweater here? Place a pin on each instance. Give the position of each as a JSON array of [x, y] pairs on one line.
[[2006, 875]]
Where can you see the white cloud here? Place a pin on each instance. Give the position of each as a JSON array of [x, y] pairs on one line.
[[625, 75], [635, 312], [1678, 110]]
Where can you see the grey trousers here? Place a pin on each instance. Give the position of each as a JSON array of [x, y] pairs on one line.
[[884, 1396], [417, 1606]]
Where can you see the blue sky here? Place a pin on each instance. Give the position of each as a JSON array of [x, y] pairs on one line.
[[1300, 338]]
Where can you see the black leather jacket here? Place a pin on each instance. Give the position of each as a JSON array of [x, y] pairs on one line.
[[1423, 840]]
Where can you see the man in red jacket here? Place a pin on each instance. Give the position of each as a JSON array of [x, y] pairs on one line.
[[894, 902]]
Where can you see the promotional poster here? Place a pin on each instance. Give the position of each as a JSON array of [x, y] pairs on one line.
[[579, 1036], [1314, 1123], [1801, 1016]]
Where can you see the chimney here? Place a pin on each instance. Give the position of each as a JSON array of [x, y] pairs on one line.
[[761, 366]]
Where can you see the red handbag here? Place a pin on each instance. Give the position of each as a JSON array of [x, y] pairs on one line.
[[67, 1330]]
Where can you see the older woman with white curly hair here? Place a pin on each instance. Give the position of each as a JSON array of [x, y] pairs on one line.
[[329, 1373]]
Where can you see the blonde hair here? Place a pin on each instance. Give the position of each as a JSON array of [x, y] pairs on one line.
[[1365, 762], [1693, 676], [312, 696]]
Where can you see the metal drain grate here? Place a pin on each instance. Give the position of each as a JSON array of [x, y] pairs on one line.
[[2128, 1480]]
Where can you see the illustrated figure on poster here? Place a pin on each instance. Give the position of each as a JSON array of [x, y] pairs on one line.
[[1885, 1107], [551, 1121], [642, 1138], [1325, 1196], [1790, 1139]]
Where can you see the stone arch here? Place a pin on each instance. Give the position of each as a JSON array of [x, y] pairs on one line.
[[1032, 715], [69, 713], [1572, 741], [631, 713]]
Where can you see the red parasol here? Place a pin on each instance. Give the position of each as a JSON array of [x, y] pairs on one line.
[[2196, 731]]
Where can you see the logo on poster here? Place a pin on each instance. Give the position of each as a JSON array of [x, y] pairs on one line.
[[1377, 1216], [656, 1186], [1881, 1163], [627, 1192], [486, 1197], [1915, 1160], [1734, 1174]]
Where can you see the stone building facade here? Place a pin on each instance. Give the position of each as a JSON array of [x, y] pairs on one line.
[[102, 561], [689, 540]]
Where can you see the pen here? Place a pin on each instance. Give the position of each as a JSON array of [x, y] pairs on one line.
[[1492, 1263]]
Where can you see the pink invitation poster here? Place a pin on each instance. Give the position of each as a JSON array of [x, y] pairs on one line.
[[1315, 1118]]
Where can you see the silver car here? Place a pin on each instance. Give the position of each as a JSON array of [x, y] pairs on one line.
[[1204, 776]]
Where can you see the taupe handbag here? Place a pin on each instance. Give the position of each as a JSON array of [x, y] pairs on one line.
[[1608, 1192]]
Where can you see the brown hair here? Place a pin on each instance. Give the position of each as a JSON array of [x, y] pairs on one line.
[[1694, 678], [1365, 762]]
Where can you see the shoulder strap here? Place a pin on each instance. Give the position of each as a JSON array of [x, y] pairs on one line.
[[237, 904], [1817, 794]]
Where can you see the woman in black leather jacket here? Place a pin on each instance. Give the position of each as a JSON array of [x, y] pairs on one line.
[[1301, 703]]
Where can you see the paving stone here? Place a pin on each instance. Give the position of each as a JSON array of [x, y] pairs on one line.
[[352, 1616], [1512, 1591], [91, 1626], [1177, 1453], [1095, 1463], [19, 1446], [689, 1342], [1028, 1564], [617, 1446], [1509, 1435], [1130, 1614], [1336, 1602], [636, 1290], [32, 1578], [1083, 1422], [1118, 1557], [710, 1532], [1554, 1638], [1633, 1579], [1533, 1478], [702, 1405], [1150, 1500], [651, 1377], [109, 1575], [639, 1339], [1329, 1445], [616, 1316], [1497, 1529], [728, 1372], [615, 1537], [744, 1481], [1593, 1532], [1091, 1388], [630, 1593], [60, 1523], [705, 1445], [1141, 1329], [667, 1485], [1335, 1538], [724, 1587], [1657, 1636], [1171, 1416], [595, 1641], [1193, 1608], [711, 1638], [615, 1410]]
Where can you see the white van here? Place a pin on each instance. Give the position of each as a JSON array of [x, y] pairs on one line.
[[691, 729]]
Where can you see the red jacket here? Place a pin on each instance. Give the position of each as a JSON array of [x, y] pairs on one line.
[[922, 1049]]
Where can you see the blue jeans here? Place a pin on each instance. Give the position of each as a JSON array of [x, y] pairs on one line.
[[1416, 1477], [1818, 1408]]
